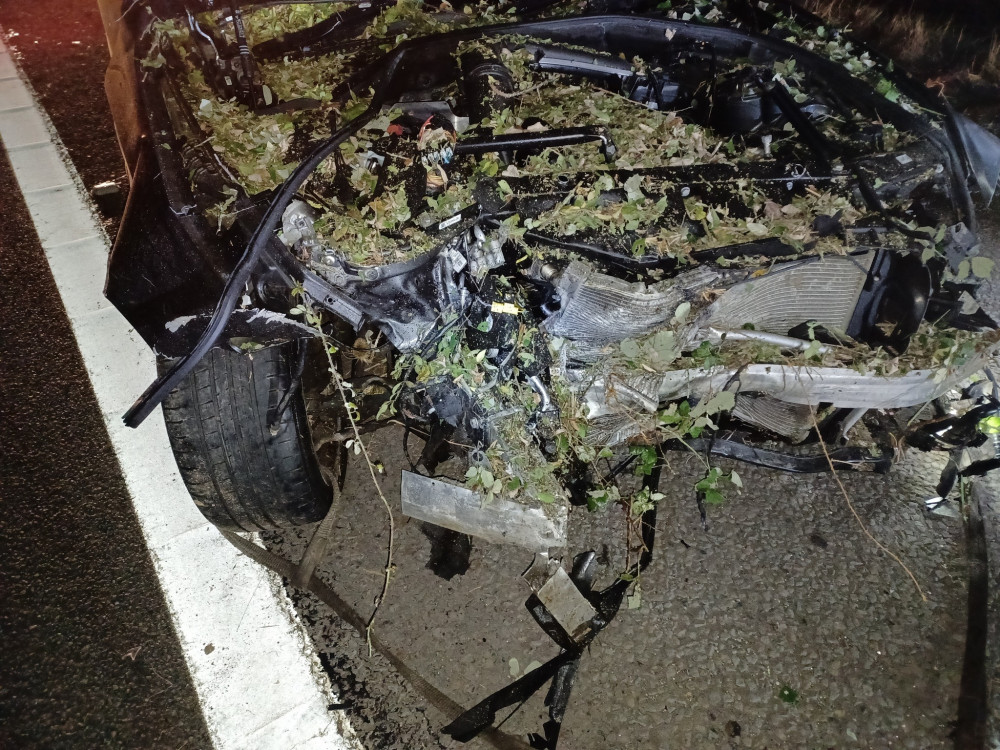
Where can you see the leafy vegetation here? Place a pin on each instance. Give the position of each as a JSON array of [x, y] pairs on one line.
[[386, 197]]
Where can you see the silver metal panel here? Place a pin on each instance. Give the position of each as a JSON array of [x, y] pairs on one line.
[[841, 387], [793, 421], [566, 604], [600, 309], [501, 521], [825, 290]]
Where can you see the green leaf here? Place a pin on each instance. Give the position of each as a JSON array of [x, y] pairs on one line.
[[488, 167], [963, 270], [647, 459], [664, 347], [982, 267], [709, 480], [354, 110], [597, 499], [721, 401], [990, 425], [714, 497], [154, 62], [886, 88], [633, 188], [630, 348], [788, 695], [682, 311], [736, 479], [813, 350]]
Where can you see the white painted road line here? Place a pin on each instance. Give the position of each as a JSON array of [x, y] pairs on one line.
[[261, 685]]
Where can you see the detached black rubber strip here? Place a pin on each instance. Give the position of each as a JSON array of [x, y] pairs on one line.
[[481, 716], [846, 457], [154, 395], [161, 387]]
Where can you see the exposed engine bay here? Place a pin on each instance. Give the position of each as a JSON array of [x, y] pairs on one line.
[[553, 241], [548, 246]]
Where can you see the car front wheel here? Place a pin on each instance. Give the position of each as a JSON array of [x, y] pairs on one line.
[[247, 466]]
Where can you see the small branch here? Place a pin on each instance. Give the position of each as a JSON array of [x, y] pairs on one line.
[[847, 497], [387, 573]]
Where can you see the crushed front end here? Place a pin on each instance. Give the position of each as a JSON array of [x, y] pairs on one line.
[[549, 243]]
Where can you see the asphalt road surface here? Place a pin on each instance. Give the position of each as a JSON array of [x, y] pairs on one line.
[[90, 658], [780, 625]]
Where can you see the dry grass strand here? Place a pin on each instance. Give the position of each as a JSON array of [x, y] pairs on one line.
[[857, 517]]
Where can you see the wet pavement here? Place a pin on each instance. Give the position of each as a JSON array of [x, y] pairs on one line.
[[782, 591], [780, 625]]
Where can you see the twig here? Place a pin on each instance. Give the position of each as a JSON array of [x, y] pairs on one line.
[[335, 374], [847, 497]]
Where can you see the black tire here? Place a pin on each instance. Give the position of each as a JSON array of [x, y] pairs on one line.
[[240, 473]]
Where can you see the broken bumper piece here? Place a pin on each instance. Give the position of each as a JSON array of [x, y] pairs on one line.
[[501, 521]]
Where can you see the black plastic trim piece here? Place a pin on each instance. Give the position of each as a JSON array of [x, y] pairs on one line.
[[159, 388]]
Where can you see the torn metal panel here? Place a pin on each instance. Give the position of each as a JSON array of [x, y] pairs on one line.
[[597, 308], [793, 384], [250, 326], [499, 521], [567, 605], [816, 385]]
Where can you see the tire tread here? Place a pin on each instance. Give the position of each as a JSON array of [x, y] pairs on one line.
[[240, 475]]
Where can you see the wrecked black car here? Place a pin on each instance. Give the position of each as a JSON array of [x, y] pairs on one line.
[[550, 240], [542, 240]]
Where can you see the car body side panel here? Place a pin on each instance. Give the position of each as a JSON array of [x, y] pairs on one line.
[[155, 274], [120, 83], [158, 270]]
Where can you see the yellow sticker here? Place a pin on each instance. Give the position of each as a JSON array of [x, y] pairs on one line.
[[990, 425], [505, 308]]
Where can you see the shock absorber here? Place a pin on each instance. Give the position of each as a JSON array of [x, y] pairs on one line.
[[487, 87]]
